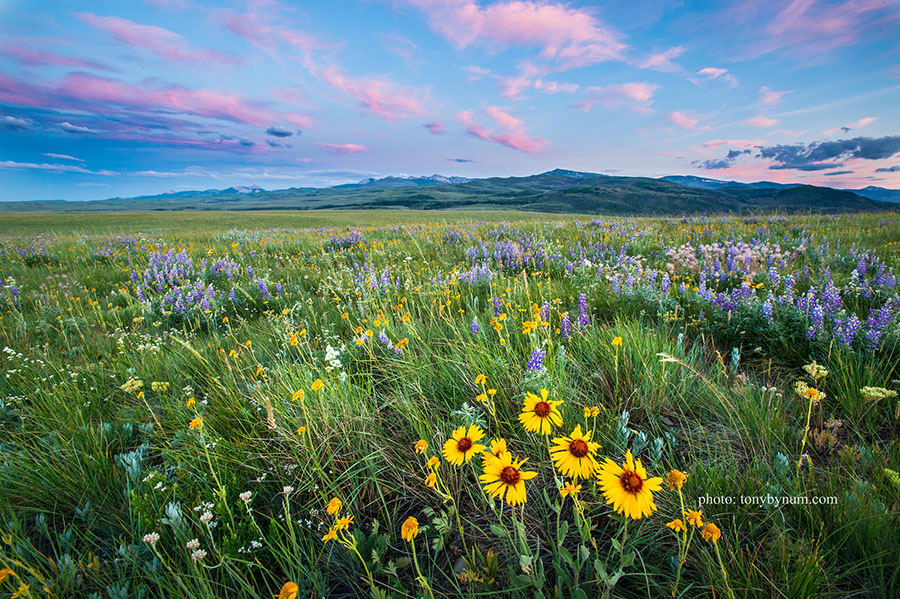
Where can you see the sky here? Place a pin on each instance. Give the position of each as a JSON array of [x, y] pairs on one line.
[[119, 99]]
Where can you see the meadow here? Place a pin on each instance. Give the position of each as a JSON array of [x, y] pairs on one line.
[[427, 404]]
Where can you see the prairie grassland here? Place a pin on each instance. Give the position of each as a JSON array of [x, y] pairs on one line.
[[292, 404]]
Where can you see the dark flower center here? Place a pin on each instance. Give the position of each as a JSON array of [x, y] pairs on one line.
[[631, 482], [578, 448], [509, 475], [542, 409], [464, 444]]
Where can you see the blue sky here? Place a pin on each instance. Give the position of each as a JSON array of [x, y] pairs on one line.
[[122, 99]]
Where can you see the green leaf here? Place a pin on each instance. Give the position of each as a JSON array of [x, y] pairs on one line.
[[628, 559], [499, 530], [562, 532]]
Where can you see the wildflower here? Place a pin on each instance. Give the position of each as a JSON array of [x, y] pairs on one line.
[[318, 385], [462, 445], [503, 476], [343, 523], [23, 588], [330, 535], [711, 533], [245, 496], [694, 518], [627, 487], [191, 402], [434, 462], [536, 360], [498, 447], [538, 413], [159, 387], [677, 525], [676, 479], [421, 446], [617, 342], [430, 480], [480, 379], [481, 397], [298, 395], [877, 393], [288, 591], [334, 506], [287, 490], [132, 386], [574, 455], [151, 538], [192, 545], [196, 423], [301, 430], [815, 370], [410, 529], [206, 517], [813, 395], [6, 573], [198, 555], [570, 489]]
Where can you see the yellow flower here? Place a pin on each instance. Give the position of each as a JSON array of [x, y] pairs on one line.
[[318, 385], [627, 487], [334, 506], [430, 480], [301, 430], [677, 525], [694, 518], [191, 402], [676, 479], [6, 573], [481, 397], [331, 534], [410, 529], [711, 532], [574, 455], [434, 462], [343, 523], [538, 413], [617, 342], [421, 446], [462, 445], [503, 476], [570, 489], [298, 395], [498, 446], [196, 423], [288, 591], [587, 412], [480, 379], [814, 395]]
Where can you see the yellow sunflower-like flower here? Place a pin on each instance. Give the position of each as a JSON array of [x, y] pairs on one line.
[[330, 535], [334, 506], [694, 518], [196, 422], [288, 591], [430, 480], [503, 476], [627, 487], [677, 525], [463, 445], [539, 413], [480, 379], [711, 533], [343, 523], [410, 529], [434, 462], [570, 489], [574, 455], [498, 446], [317, 385], [421, 446], [676, 479]]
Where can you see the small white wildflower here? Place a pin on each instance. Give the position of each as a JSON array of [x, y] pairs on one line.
[[151, 539], [245, 496], [198, 555], [193, 545], [288, 490], [206, 517]]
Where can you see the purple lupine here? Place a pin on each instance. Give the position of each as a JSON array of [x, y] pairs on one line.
[[498, 305], [583, 315], [278, 288], [475, 328], [263, 287], [565, 327], [768, 308], [846, 329], [536, 360], [664, 283]]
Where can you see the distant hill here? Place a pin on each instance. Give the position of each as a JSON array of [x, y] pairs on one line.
[[558, 190], [879, 193]]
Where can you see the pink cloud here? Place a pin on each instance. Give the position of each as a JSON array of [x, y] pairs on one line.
[[709, 73], [301, 120], [568, 36], [854, 125], [663, 60], [377, 94], [686, 122], [516, 139], [56, 168], [34, 57], [436, 128], [341, 149], [770, 97], [761, 121], [503, 119], [551, 87], [162, 42], [638, 96]]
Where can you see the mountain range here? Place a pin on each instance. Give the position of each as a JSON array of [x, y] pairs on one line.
[[558, 190]]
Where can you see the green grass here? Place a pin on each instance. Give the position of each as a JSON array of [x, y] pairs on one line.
[[88, 468]]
